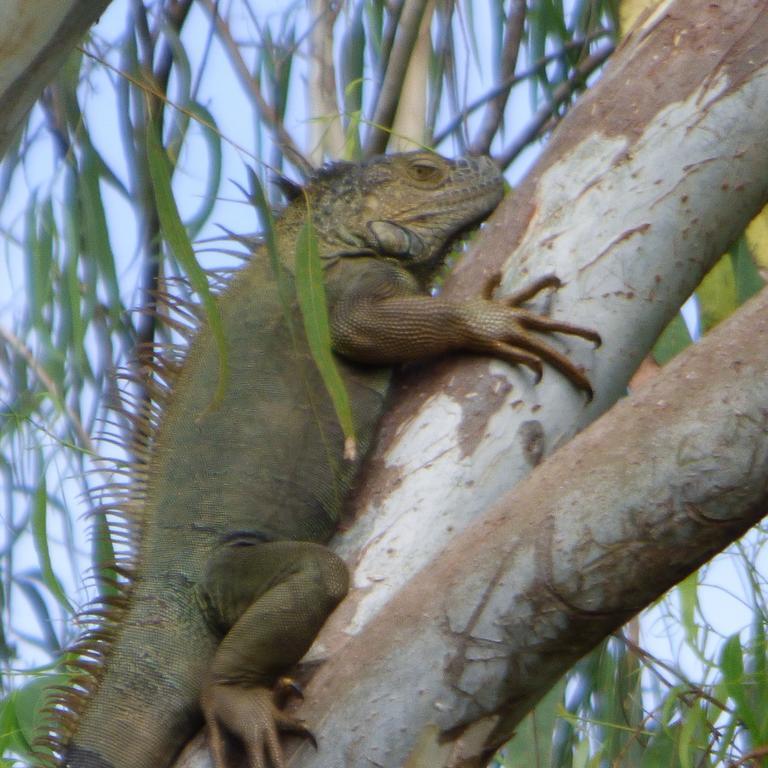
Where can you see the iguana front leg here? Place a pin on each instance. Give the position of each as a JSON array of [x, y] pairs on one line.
[[268, 601], [389, 320]]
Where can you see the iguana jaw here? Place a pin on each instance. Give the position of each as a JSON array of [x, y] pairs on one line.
[[459, 195]]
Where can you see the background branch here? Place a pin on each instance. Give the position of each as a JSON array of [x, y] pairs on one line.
[[547, 111], [389, 93], [509, 83], [494, 111]]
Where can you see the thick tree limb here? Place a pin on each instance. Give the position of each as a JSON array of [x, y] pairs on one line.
[[35, 37], [644, 184], [603, 527]]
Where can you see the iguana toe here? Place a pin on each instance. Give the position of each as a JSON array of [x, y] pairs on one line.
[[250, 716]]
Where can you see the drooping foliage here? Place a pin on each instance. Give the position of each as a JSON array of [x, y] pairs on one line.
[[182, 97]]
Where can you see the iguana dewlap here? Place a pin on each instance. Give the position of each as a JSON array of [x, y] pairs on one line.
[[233, 498]]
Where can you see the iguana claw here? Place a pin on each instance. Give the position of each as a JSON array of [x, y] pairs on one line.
[[251, 717], [285, 687]]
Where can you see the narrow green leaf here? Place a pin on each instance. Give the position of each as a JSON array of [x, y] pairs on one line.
[[11, 736], [103, 555], [374, 13], [731, 662], [759, 665], [581, 754], [470, 30], [25, 709], [284, 62], [352, 64], [609, 704], [532, 742], [38, 265], [717, 294], [311, 295], [748, 280], [660, 750], [687, 591], [732, 669], [687, 742], [178, 241], [71, 333], [40, 539], [96, 232], [212, 137]]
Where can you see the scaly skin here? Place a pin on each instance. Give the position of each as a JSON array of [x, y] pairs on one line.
[[232, 581]]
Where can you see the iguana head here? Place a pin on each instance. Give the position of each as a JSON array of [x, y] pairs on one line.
[[406, 206]]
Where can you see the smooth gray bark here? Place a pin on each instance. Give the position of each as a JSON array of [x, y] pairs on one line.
[[35, 38]]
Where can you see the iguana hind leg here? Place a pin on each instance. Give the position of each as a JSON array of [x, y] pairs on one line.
[[268, 600]]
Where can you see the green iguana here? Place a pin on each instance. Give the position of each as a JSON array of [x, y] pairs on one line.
[[231, 501]]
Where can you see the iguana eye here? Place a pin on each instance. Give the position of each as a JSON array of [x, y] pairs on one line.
[[423, 170]]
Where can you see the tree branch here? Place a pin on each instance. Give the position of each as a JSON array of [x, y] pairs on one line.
[[326, 131], [494, 112], [509, 83], [597, 532], [28, 61], [642, 187], [545, 112], [389, 93], [252, 88]]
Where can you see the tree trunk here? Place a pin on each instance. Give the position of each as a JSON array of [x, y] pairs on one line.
[[35, 38], [469, 601]]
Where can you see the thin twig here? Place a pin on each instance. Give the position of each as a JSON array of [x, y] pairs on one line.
[[494, 111], [753, 754], [251, 85], [513, 80], [391, 20], [175, 17], [559, 95], [443, 69], [652, 661], [21, 349], [389, 94]]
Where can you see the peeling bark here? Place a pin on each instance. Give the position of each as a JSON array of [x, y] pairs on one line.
[[35, 38]]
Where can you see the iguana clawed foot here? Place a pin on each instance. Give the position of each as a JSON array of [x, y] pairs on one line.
[[251, 716], [519, 346]]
